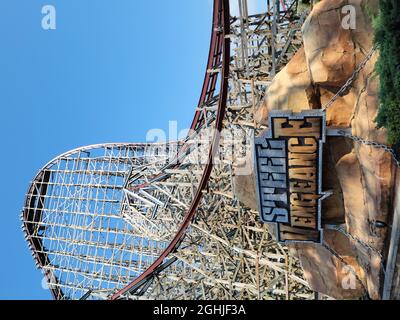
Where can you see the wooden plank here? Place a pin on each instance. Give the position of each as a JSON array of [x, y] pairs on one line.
[[297, 128]]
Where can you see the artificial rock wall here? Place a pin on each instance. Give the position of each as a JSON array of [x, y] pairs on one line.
[[361, 177]]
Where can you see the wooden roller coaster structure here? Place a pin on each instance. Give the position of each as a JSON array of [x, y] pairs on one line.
[[146, 221]]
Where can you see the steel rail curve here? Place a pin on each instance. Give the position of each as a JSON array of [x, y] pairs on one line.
[[219, 55], [42, 178], [209, 83]]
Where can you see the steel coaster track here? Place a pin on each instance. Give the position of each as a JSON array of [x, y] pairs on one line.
[[220, 79], [219, 56], [37, 191]]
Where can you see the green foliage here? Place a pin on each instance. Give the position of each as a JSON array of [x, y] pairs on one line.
[[370, 9], [387, 37]]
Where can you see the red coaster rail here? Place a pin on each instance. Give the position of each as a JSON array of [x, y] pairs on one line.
[[219, 57]]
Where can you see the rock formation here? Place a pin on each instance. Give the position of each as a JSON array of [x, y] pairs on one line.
[[361, 177]]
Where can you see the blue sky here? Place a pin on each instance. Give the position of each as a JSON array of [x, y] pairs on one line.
[[111, 71]]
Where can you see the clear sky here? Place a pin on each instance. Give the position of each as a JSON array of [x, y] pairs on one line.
[[111, 71]]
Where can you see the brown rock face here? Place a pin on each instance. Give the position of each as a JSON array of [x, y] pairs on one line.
[[366, 200], [329, 48], [361, 177], [242, 185], [333, 207], [329, 274], [289, 88]]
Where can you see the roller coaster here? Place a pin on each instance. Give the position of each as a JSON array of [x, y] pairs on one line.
[[161, 221]]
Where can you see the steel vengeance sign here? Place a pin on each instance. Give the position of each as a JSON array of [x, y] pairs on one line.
[[288, 166]]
